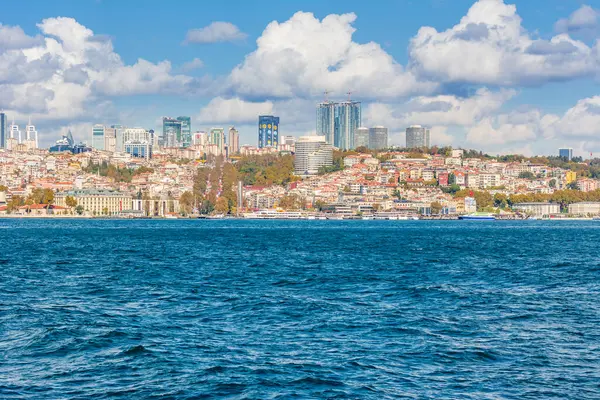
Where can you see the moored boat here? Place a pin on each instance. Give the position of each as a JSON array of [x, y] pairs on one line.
[[478, 216]]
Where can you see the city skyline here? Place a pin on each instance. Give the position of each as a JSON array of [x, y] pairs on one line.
[[83, 70]]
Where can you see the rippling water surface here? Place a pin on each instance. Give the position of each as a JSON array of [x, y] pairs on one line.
[[299, 309]]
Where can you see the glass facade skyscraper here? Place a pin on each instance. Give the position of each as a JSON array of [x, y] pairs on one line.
[[326, 120], [417, 137], [566, 153], [3, 130], [98, 137], [186, 131], [171, 132], [378, 138], [268, 131], [338, 122], [348, 120]]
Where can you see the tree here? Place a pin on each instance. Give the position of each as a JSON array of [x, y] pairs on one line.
[[289, 202], [3, 188], [186, 202], [500, 200], [552, 183], [222, 206], [105, 211], [79, 209], [70, 201], [572, 186], [526, 175], [436, 207]]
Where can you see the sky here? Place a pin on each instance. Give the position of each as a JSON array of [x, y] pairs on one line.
[[501, 76]]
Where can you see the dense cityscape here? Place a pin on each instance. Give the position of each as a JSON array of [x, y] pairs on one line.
[[344, 171]]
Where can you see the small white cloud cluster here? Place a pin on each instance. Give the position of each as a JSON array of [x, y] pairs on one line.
[[67, 72]]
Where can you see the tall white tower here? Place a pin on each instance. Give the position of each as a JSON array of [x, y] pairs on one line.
[[15, 133], [31, 135]]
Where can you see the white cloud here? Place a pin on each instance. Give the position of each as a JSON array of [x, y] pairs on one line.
[[490, 46], [215, 32], [584, 20], [446, 110], [13, 37], [581, 121], [304, 56], [196, 63], [66, 72]]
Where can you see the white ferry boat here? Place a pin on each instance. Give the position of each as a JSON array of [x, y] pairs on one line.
[[478, 216]]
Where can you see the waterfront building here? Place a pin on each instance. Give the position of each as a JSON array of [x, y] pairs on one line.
[[233, 141], [566, 153], [417, 137], [98, 141], [3, 130], [312, 153], [585, 208], [378, 138], [171, 135], [268, 131], [97, 201], [537, 209], [217, 138], [347, 121], [326, 120], [186, 131], [361, 137], [138, 142]]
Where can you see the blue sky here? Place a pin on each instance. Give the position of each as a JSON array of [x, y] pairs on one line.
[[502, 76]]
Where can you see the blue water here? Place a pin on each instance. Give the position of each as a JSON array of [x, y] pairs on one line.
[[299, 309]]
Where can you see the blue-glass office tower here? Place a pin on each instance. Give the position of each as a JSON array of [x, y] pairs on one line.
[[347, 121], [3, 130], [268, 131], [338, 122], [326, 120], [566, 153], [186, 131]]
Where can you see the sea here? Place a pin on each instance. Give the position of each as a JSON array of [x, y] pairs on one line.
[[240, 309]]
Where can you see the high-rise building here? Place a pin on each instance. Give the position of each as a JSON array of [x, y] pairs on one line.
[[119, 129], [3, 130], [566, 153], [138, 142], [186, 131], [217, 137], [171, 132], [31, 136], [200, 138], [338, 122], [326, 120], [98, 137], [378, 138], [268, 131], [417, 137], [348, 120], [312, 153], [361, 137], [233, 141], [110, 139]]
